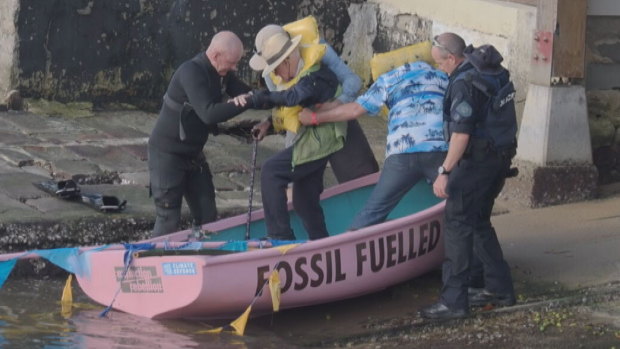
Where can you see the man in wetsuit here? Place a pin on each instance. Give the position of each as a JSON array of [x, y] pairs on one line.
[[193, 105]]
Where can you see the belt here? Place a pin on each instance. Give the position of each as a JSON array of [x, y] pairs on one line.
[[172, 104]]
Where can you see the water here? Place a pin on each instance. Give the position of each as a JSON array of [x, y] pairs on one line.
[[30, 317]]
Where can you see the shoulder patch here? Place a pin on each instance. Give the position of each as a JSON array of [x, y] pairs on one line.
[[462, 110]]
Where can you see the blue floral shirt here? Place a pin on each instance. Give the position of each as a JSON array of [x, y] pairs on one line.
[[414, 94]]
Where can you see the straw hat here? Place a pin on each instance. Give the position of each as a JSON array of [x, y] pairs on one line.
[[257, 62], [272, 51]]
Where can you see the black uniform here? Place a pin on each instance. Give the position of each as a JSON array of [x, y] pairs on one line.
[[177, 166], [472, 188]]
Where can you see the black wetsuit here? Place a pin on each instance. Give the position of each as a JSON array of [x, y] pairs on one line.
[[192, 107]]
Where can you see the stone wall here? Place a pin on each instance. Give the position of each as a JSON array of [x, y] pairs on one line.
[[603, 82], [389, 24], [126, 50], [8, 40]]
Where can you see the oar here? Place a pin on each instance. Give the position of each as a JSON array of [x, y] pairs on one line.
[[247, 223], [158, 245]]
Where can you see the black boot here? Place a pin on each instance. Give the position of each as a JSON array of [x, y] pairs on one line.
[[480, 297], [441, 312]]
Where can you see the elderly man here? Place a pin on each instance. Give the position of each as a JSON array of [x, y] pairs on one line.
[[481, 127], [415, 144], [304, 82], [356, 158], [193, 105]]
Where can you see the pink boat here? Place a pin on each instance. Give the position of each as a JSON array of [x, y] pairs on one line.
[[202, 284]]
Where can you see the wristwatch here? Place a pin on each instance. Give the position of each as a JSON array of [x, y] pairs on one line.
[[442, 171]]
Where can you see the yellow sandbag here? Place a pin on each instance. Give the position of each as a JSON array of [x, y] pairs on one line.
[[307, 28], [384, 62]]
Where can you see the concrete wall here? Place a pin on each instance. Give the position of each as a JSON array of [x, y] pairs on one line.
[[507, 25], [126, 50], [603, 84], [8, 42]]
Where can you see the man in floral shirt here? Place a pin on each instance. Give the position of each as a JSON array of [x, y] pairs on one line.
[[415, 144]]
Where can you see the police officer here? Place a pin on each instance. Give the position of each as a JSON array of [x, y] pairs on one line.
[[471, 177], [193, 105]]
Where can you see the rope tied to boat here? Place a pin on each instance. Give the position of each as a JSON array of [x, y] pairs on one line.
[[128, 258]]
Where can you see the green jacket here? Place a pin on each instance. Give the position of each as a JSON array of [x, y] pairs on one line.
[[316, 142]]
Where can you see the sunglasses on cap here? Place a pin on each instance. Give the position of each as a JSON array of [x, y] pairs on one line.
[[436, 43]]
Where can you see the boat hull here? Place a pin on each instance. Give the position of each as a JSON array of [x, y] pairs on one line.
[[346, 265]]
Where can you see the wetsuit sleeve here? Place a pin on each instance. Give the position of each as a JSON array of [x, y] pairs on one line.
[[205, 97], [236, 86]]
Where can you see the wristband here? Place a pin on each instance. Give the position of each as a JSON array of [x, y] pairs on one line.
[[315, 121]]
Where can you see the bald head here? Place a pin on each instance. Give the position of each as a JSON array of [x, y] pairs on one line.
[[225, 51]]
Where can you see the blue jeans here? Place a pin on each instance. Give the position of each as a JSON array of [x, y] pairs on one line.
[[400, 173]]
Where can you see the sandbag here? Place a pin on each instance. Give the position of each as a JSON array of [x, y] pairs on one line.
[[384, 62]]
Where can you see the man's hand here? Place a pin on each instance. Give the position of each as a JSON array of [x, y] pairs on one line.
[[241, 100], [305, 116], [259, 131], [440, 185]]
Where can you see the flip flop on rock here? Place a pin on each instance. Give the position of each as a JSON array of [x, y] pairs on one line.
[[104, 203]]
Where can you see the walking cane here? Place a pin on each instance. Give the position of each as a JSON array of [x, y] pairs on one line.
[[247, 224]]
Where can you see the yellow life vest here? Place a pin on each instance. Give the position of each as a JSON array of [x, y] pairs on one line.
[[287, 118]]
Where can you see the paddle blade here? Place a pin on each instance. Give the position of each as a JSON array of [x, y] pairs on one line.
[[213, 330], [274, 287], [66, 302], [285, 248], [239, 324]]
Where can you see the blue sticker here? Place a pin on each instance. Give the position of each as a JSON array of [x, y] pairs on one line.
[[179, 268]]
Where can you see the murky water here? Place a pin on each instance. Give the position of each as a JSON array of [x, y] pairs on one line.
[[30, 317]]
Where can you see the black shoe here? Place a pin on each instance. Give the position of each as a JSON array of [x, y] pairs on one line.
[[441, 312], [480, 297], [289, 237]]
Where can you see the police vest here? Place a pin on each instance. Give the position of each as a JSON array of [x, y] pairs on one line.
[[498, 125]]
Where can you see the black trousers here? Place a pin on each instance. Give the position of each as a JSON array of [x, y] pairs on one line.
[[307, 179], [473, 187], [173, 177], [356, 158]]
